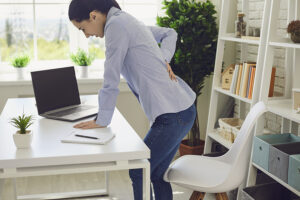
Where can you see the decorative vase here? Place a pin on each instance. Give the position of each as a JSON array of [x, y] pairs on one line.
[[295, 36], [22, 140], [20, 73], [240, 26], [185, 149], [84, 71]]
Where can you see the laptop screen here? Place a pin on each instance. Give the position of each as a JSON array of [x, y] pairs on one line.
[[55, 88]]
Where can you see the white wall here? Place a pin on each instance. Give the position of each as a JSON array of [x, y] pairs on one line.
[[130, 108]]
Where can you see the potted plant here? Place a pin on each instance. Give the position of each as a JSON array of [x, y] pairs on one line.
[[294, 30], [22, 137], [19, 63], [83, 60], [194, 58]]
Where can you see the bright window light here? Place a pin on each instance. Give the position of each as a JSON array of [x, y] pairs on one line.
[[41, 28]]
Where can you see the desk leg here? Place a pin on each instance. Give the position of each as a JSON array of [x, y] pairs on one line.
[[1, 187], [14, 182], [146, 181], [107, 182]]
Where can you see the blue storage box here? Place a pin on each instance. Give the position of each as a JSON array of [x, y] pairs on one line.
[[294, 172], [261, 146]]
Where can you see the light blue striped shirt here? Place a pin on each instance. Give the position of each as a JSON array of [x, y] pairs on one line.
[[132, 50]]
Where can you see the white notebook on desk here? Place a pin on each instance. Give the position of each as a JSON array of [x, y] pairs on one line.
[[89, 136]]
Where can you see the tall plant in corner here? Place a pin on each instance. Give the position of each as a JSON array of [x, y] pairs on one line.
[[195, 24]]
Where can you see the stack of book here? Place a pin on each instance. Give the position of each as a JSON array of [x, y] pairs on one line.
[[243, 80]]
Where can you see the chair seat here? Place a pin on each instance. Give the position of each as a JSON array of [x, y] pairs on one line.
[[198, 173]]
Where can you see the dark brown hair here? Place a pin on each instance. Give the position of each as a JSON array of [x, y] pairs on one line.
[[79, 10]]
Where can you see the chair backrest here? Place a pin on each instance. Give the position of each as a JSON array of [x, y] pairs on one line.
[[239, 154]]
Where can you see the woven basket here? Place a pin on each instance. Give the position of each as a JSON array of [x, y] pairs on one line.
[[229, 128]]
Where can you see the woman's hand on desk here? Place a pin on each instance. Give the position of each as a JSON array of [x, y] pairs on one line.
[[88, 125]]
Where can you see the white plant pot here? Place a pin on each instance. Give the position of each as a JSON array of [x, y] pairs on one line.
[[20, 73], [84, 71], [23, 140]]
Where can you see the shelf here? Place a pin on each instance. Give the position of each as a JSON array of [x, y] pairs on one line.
[[216, 137], [284, 108], [277, 180], [231, 37], [284, 42], [228, 93]]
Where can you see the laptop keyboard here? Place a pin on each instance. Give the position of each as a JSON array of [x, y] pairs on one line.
[[70, 111]]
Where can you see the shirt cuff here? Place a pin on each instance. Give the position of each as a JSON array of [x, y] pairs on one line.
[[104, 117], [167, 56]]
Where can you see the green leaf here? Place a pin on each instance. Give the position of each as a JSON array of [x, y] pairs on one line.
[[20, 61], [22, 122], [81, 58]]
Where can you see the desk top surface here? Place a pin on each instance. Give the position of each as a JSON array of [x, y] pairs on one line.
[[47, 149]]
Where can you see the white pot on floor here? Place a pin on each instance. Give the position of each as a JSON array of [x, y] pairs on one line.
[[23, 140]]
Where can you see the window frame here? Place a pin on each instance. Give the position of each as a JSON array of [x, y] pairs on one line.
[[82, 42]]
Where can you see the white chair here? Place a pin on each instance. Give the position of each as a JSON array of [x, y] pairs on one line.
[[217, 174]]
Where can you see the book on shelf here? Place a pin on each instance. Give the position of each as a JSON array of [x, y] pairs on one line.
[[272, 82], [253, 70], [237, 91], [245, 79], [249, 79], [234, 79]]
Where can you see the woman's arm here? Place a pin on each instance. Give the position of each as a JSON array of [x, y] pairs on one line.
[[167, 38], [116, 42]]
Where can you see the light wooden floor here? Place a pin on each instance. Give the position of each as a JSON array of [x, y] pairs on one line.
[[120, 186]]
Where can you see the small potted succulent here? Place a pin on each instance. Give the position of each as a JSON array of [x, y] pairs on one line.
[[19, 63], [294, 30], [22, 137], [83, 60]]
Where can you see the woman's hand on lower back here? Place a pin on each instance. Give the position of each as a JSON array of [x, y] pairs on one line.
[[171, 73]]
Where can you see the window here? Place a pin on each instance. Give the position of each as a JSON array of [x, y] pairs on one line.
[[52, 31], [41, 28], [16, 30]]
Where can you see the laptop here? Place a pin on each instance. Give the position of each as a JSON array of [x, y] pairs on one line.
[[57, 96]]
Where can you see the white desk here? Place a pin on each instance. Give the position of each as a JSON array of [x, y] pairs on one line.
[[49, 156]]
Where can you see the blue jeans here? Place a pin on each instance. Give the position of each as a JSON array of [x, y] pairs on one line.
[[163, 140]]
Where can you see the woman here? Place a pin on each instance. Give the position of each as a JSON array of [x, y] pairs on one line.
[[132, 50]]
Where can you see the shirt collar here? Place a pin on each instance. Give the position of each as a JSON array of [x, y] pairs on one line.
[[111, 12]]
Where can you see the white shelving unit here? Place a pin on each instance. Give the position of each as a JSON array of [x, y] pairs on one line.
[[216, 137], [282, 107], [264, 63], [231, 37], [228, 93], [277, 179], [219, 95], [267, 44]]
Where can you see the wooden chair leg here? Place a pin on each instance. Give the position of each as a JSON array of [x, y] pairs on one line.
[[197, 195], [221, 196], [224, 196]]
